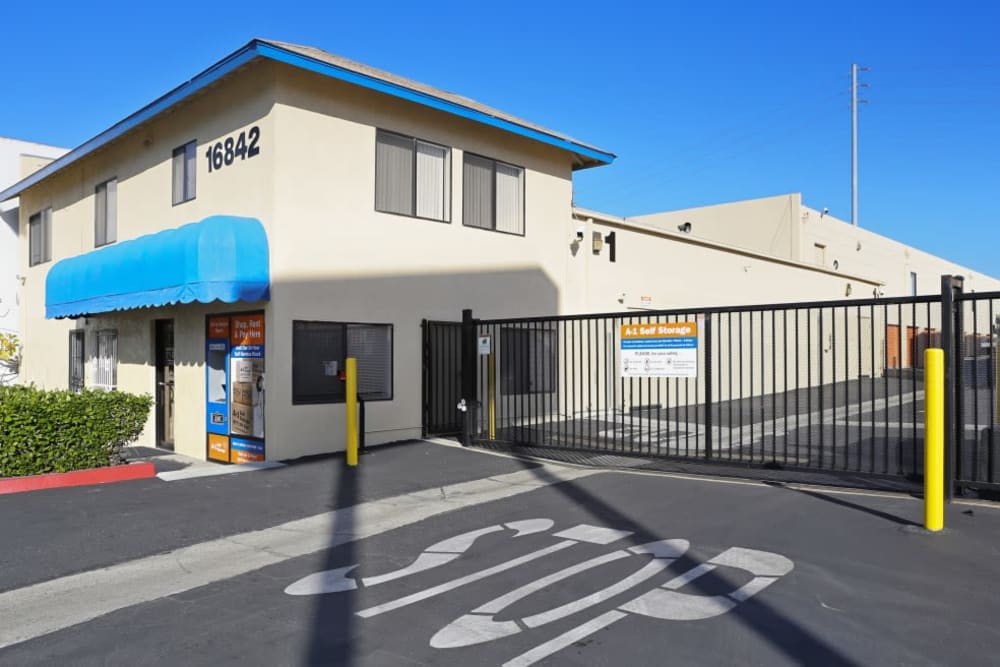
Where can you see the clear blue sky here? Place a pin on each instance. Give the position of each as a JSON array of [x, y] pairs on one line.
[[702, 102]]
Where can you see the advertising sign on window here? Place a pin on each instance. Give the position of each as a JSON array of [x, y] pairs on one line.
[[235, 387]]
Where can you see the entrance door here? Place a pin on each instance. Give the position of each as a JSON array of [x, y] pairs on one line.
[[165, 384]]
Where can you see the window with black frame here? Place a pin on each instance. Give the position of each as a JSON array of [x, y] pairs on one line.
[[319, 354], [412, 177], [492, 195], [527, 360]]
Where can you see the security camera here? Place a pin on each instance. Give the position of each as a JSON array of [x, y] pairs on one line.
[[824, 212], [579, 233], [684, 227]]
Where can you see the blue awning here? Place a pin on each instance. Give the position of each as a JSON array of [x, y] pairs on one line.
[[221, 258]]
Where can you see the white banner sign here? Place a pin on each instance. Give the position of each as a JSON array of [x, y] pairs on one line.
[[667, 349]]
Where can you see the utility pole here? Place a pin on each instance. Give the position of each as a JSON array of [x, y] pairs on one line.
[[854, 139]]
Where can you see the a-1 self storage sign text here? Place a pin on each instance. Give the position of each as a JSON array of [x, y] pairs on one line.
[[668, 349]]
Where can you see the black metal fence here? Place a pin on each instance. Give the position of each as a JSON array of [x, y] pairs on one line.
[[830, 386], [976, 460], [442, 378], [833, 386]]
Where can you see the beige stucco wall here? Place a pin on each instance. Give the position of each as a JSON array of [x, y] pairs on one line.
[[334, 258], [782, 227], [141, 161], [859, 250], [762, 225]]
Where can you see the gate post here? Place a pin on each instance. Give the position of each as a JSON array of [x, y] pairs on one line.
[[470, 360], [951, 342]]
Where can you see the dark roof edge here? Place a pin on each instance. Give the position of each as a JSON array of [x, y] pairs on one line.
[[590, 156]]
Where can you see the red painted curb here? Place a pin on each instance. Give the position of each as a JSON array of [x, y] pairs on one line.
[[57, 480]]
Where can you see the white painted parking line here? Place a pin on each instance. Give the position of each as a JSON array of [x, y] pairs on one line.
[[42, 608]]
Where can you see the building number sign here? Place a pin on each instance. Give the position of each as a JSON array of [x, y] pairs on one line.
[[223, 153]]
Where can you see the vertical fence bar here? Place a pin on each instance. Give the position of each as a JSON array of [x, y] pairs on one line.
[[809, 391], [914, 356], [708, 386], [990, 455], [798, 390], [861, 356], [822, 351], [784, 383], [774, 387], [899, 387], [871, 393], [975, 391]]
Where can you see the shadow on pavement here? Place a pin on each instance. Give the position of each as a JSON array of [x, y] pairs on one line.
[[845, 503], [331, 640], [796, 642]]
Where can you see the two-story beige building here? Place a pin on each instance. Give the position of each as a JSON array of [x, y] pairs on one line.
[[228, 246]]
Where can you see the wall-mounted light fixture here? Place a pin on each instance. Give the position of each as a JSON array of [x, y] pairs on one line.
[[596, 242], [848, 290]]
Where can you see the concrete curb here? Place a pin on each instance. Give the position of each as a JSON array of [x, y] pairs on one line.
[[56, 480], [215, 469]]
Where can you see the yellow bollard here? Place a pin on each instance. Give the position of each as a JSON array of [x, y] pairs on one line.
[[351, 403], [934, 439], [492, 382]]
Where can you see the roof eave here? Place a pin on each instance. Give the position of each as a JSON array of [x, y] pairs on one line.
[[588, 156]]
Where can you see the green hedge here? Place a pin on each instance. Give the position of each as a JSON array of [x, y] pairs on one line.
[[59, 431]]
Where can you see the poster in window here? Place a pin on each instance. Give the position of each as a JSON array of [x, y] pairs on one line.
[[234, 368], [246, 373]]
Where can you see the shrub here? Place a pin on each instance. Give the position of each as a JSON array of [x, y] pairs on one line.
[[59, 431]]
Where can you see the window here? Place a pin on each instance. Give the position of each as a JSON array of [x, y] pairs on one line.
[[106, 213], [76, 360], [412, 177], [106, 360], [493, 195], [319, 353], [184, 172], [40, 237], [527, 360], [913, 283]]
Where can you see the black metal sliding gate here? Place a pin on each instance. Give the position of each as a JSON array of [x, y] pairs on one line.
[[976, 460], [830, 386]]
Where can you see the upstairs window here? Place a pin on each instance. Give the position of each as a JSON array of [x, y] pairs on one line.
[[106, 213], [184, 172], [493, 195], [412, 177], [40, 237]]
